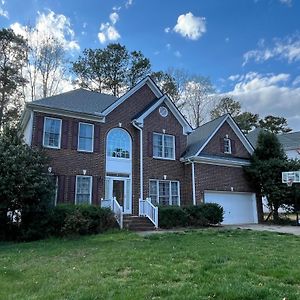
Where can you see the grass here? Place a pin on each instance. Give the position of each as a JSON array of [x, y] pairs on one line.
[[200, 264]]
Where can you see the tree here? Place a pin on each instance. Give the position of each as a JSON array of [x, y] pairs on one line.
[[226, 106], [274, 124], [112, 69], [46, 65], [196, 98], [267, 163], [247, 121], [167, 84], [12, 60], [23, 179]]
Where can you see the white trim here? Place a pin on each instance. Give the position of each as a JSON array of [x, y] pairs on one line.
[[157, 181], [78, 136], [147, 80], [163, 146], [91, 186], [219, 161], [60, 129], [141, 160], [66, 113], [229, 145], [236, 130], [168, 102], [193, 183]]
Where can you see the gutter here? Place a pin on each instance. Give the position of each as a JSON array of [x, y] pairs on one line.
[[137, 126]]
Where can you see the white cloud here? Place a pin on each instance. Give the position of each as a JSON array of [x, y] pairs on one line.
[[296, 80], [3, 12], [51, 24], [114, 17], [286, 2], [108, 33], [167, 29], [128, 3], [287, 49], [234, 77], [168, 46], [190, 26], [177, 54], [269, 94]]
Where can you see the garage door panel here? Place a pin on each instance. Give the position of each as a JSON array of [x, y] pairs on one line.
[[239, 208]]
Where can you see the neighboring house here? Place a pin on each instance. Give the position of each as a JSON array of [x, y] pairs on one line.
[[289, 141], [140, 146], [291, 145]]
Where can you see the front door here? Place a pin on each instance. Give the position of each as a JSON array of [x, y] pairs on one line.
[[120, 188]]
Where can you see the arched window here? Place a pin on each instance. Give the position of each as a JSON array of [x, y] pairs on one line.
[[118, 143]]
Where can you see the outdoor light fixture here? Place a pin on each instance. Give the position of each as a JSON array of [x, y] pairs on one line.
[[49, 169], [165, 177], [83, 172]]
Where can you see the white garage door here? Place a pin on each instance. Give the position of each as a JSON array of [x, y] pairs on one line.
[[239, 208]]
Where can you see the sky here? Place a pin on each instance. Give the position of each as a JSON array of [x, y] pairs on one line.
[[250, 49]]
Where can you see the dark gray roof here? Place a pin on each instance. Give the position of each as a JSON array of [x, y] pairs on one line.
[[200, 135], [79, 100], [290, 140], [252, 136], [287, 140]]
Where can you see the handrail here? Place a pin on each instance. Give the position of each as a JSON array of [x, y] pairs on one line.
[[117, 209], [147, 209]]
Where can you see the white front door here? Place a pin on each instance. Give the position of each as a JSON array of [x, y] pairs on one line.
[[120, 188]]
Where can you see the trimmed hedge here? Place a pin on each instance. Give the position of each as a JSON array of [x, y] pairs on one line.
[[63, 220], [201, 215]]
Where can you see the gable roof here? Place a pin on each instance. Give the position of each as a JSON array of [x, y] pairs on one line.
[[139, 119], [289, 140], [201, 136], [79, 100]]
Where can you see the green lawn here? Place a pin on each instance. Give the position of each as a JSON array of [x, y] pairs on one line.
[[202, 264]]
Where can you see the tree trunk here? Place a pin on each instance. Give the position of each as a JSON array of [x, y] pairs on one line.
[[275, 213]]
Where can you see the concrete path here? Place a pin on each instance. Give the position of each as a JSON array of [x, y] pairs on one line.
[[273, 228], [258, 227]]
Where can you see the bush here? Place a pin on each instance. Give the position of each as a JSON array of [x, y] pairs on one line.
[[71, 219], [204, 214], [172, 216]]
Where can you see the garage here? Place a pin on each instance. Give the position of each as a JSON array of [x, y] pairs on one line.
[[239, 208]]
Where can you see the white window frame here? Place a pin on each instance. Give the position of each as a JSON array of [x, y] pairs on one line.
[[44, 130], [78, 138], [157, 181], [91, 187], [227, 140], [163, 146]]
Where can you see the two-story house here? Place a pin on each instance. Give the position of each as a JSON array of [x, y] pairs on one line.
[[140, 146]]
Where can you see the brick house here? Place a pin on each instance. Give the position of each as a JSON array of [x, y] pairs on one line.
[[140, 151]]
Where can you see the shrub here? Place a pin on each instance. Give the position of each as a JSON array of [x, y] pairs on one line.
[[172, 216], [199, 215], [81, 219]]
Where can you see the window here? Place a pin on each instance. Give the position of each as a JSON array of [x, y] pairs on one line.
[[85, 137], [118, 143], [52, 133], [163, 146], [164, 192], [227, 146], [83, 190]]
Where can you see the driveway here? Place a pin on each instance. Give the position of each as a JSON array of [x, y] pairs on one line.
[[273, 228]]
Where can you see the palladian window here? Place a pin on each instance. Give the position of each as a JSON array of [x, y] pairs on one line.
[[118, 143]]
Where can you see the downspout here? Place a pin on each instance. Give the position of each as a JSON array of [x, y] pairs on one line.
[[141, 158], [193, 183]]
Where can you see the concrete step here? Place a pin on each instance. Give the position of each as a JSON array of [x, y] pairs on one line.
[[136, 223]]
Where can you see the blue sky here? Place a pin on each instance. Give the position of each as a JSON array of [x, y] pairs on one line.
[[250, 49]]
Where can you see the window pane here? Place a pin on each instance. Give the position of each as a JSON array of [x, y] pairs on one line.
[[157, 145], [83, 190], [169, 146], [85, 137], [52, 132], [164, 192], [118, 143], [153, 191], [174, 188]]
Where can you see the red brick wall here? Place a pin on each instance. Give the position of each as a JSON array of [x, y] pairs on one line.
[[214, 147], [157, 168], [220, 178]]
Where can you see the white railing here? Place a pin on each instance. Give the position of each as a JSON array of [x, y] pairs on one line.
[[147, 209], [117, 209]]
